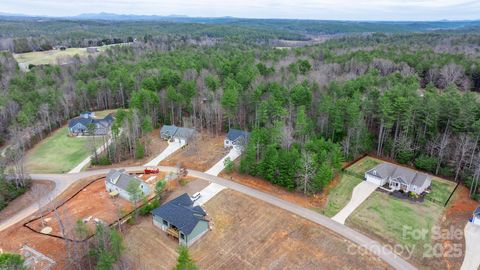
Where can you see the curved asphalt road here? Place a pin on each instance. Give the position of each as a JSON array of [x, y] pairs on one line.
[[64, 181]]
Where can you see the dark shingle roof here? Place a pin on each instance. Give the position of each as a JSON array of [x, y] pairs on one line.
[[398, 173], [107, 121], [168, 130], [476, 213], [184, 133], [234, 134], [181, 213]]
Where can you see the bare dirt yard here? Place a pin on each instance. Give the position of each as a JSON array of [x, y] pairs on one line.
[[249, 234], [201, 154], [36, 191], [92, 202], [154, 146]]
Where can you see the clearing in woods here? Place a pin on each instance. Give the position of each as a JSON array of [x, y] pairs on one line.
[[250, 234], [200, 154]]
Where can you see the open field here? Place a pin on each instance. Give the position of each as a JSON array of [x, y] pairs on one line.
[[250, 234], [58, 153], [200, 154]]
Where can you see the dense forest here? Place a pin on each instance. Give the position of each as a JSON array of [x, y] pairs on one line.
[[409, 97]]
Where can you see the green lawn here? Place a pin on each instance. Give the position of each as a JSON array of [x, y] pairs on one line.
[[386, 217], [57, 153], [341, 194], [441, 190]]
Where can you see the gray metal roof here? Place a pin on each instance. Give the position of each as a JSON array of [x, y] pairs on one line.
[[121, 179], [399, 173], [181, 213]]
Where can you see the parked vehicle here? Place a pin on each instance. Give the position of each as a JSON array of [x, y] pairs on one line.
[[151, 170]]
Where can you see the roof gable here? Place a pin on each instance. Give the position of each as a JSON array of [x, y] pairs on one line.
[[399, 174], [121, 179], [181, 213], [234, 134]]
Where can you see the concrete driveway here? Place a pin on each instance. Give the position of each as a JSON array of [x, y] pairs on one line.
[[360, 193], [171, 148], [220, 165], [86, 161], [471, 261]]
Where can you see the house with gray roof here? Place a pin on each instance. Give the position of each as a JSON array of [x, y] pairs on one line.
[[117, 182], [398, 178], [181, 219], [476, 216], [236, 138], [79, 125], [177, 134]]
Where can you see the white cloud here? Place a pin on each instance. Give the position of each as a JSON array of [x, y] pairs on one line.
[[301, 9]]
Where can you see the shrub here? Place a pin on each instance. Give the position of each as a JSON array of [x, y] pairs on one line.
[[11, 261], [183, 182], [102, 161], [229, 165], [424, 162], [139, 150]]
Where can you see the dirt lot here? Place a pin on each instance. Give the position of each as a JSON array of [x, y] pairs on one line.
[[250, 234], [199, 155], [92, 201], [154, 144], [37, 190]]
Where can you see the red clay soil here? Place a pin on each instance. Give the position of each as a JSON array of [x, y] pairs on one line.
[[455, 218], [154, 146], [92, 201], [200, 155], [36, 191], [315, 201]]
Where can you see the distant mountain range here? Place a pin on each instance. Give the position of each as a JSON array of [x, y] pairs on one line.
[[185, 18]]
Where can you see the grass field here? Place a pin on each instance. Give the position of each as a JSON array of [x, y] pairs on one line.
[[387, 218], [51, 57], [57, 153], [341, 194]]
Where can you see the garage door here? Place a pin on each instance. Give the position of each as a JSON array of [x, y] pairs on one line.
[[375, 180]]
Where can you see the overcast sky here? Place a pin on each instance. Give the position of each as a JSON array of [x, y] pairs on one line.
[[299, 9]]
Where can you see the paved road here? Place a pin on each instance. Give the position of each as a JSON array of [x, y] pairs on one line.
[[361, 240], [471, 261], [360, 193]]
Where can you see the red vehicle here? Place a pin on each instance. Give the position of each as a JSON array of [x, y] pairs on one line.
[[150, 170]]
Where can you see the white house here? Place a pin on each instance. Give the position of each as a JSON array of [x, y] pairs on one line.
[[398, 178], [476, 216], [236, 138], [117, 181]]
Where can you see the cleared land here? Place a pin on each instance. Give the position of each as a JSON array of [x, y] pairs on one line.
[[250, 234], [201, 154], [92, 201], [58, 153]]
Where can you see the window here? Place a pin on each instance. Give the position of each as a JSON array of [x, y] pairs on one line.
[[165, 222], [182, 236]]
